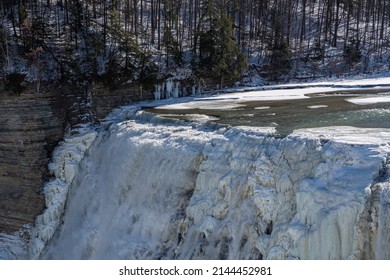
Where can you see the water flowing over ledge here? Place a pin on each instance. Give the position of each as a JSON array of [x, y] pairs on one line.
[[143, 187]]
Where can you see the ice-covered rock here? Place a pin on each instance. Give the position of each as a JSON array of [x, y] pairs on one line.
[[153, 189], [13, 246], [64, 166]]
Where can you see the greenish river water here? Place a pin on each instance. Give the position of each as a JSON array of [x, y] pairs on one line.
[[319, 110]]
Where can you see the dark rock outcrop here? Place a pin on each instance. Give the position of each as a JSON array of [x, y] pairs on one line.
[[30, 127]]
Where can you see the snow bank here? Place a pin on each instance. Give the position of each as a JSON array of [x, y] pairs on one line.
[[151, 188], [230, 99]]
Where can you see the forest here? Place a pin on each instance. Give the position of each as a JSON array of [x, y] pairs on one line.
[[117, 42]]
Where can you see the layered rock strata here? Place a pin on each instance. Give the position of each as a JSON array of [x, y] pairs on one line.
[[30, 126]]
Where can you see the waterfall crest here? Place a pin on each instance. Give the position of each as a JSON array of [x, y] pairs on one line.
[[155, 189]]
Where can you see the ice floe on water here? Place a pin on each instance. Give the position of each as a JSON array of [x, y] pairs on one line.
[[262, 108], [317, 106], [370, 100]]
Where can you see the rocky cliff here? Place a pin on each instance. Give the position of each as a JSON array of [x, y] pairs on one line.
[[30, 127]]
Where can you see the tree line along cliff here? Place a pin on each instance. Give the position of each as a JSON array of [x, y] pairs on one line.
[[118, 42]]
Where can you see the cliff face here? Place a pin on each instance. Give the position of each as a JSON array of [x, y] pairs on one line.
[[103, 100], [30, 126]]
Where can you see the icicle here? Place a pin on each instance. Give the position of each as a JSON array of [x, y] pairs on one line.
[[157, 92], [169, 85], [176, 90]]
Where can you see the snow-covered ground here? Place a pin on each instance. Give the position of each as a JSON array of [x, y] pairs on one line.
[[230, 100], [141, 186]]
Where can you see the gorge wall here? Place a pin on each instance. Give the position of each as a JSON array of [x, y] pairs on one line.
[[31, 125]]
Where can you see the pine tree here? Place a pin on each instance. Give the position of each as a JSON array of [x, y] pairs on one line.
[[219, 54]]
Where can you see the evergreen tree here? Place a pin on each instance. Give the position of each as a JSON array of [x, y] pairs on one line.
[[81, 35], [3, 51], [220, 56]]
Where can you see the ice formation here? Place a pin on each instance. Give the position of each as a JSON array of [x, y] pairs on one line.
[[13, 246], [168, 89], [64, 166], [151, 188], [174, 89]]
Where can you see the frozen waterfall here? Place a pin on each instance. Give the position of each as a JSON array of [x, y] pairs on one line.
[[148, 188]]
